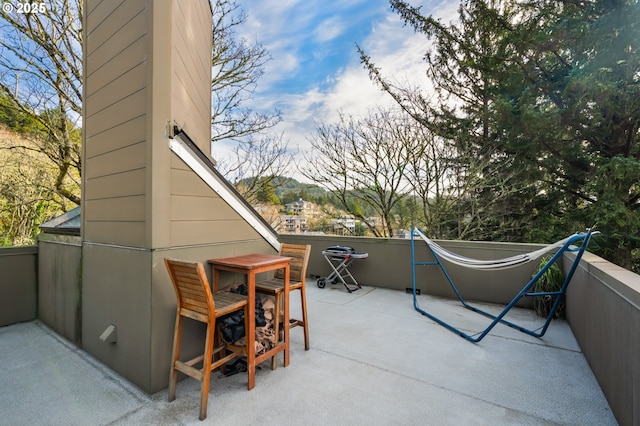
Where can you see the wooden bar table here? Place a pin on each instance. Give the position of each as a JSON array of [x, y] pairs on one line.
[[251, 265]]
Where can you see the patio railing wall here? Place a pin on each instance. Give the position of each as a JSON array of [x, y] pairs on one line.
[[389, 266], [18, 284], [603, 300], [603, 308]]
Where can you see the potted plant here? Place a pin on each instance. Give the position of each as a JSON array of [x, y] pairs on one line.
[[550, 280]]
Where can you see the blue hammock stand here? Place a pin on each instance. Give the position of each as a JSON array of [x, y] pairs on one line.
[[576, 243]]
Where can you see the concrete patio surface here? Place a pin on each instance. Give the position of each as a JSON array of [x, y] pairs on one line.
[[373, 361]]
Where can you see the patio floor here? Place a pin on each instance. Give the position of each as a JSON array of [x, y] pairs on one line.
[[373, 361]]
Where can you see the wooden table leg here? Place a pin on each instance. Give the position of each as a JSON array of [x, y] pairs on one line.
[[216, 279], [287, 276], [251, 333]]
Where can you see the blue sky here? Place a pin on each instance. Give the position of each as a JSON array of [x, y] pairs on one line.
[[315, 72], [311, 43]]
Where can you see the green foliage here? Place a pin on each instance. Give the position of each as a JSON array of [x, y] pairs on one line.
[[266, 193], [12, 117], [36, 170], [551, 280], [546, 97], [25, 197], [290, 190]]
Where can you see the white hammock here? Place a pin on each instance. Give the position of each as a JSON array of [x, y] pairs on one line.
[[508, 262]]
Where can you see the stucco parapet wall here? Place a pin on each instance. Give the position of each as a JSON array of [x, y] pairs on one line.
[[624, 282], [19, 250]]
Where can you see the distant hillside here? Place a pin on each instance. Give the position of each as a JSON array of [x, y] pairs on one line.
[[286, 185], [289, 189]]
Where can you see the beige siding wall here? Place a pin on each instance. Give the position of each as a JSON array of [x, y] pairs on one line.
[[117, 291], [191, 71], [147, 65], [199, 215], [115, 121]]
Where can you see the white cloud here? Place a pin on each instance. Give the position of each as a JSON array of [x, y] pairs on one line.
[[329, 29], [287, 28], [397, 52]]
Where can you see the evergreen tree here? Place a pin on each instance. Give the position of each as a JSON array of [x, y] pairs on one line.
[[547, 93], [266, 192]]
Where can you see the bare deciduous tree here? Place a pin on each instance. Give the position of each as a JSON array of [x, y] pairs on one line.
[[449, 180], [363, 162], [258, 157], [237, 66], [26, 195], [41, 76], [41, 72], [256, 164]]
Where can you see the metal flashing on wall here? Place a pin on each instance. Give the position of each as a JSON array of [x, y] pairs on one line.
[[67, 223]]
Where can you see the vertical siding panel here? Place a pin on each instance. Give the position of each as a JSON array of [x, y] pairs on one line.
[[191, 110], [191, 72], [115, 85]]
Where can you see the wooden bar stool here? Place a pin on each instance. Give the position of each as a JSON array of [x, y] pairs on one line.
[[195, 301], [275, 287]]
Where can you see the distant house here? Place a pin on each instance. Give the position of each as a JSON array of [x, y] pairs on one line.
[[374, 221], [293, 224], [402, 233], [295, 206], [344, 225], [303, 208], [269, 213]]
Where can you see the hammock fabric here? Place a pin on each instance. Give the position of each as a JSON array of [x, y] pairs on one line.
[[562, 246], [508, 262]]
